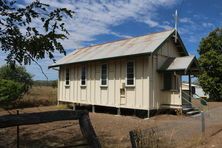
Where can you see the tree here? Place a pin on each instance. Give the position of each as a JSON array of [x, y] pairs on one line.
[[14, 82], [210, 61], [25, 42]]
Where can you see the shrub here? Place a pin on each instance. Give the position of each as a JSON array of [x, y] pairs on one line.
[[15, 81], [10, 90]]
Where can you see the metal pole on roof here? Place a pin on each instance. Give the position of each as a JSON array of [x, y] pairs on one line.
[[176, 20], [176, 25]]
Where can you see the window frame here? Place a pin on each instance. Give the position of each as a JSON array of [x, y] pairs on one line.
[[81, 72], [67, 73], [174, 82], [107, 76], [134, 72]]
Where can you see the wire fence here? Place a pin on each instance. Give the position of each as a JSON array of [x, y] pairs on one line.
[[186, 132]]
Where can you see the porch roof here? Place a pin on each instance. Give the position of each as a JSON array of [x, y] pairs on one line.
[[180, 64]]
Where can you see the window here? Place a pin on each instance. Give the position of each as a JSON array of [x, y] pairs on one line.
[[67, 76], [167, 81], [175, 82], [104, 75], [130, 73], [171, 81], [83, 75]]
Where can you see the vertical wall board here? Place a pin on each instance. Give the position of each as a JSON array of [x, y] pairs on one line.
[[157, 84], [83, 94], [88, 82], [83, 89], [71, 83], [63, 84], [97, 85], [92, 84], [145, 83], [61, 81], [111, 84], [123, 71], [59, 84], [151, 102], [104, 90], [130, 97], [104, 96], [78, 81], [117, 83], [67, 89], [173, 49], [154, 86], [124, 101], [138, 82], [75, 96]]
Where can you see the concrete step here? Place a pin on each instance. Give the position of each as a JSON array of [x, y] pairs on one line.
[[193, 112], [187, 109], [196, 115]]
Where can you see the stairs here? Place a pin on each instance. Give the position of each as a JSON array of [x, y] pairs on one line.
[[189, 111]]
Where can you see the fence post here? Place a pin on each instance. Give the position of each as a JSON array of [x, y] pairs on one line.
[[88, 131], [17, 131], [202, 122], [132, 139]]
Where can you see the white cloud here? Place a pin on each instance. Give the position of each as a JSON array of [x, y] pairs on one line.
[[96, 17], [207, 24], [186, 20]]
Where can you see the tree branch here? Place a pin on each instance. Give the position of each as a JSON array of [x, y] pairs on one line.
[[38, 65]]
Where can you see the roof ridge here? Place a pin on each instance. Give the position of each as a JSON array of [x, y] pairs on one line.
[[149, 43]]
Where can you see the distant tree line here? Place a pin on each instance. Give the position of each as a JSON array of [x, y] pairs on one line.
[[52, 83]]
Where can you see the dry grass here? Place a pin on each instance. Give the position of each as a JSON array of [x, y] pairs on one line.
[[37, 96]]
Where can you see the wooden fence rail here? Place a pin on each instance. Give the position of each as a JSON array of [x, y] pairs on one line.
[[50, 116]]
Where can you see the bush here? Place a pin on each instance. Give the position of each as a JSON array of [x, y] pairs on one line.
[[210, 62], [15, 81], [10, 90]]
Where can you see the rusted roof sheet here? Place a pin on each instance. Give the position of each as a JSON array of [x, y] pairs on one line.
[[178, 63], [132, 46]]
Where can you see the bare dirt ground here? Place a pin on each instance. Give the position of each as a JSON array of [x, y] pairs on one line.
[[113, 131]]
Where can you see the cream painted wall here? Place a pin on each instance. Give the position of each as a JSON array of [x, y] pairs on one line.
[[93, 93], [172, 97]]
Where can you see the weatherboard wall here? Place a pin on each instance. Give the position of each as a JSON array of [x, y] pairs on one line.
[[94, 94], [171, 97]]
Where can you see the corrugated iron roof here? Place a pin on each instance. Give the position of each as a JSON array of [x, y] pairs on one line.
[[132, 46], [178, 63]]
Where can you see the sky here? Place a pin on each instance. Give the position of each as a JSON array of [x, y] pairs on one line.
[[100, 21]]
